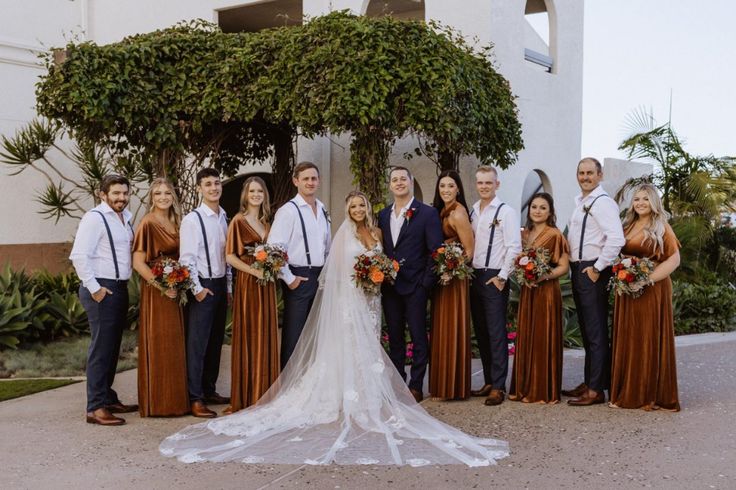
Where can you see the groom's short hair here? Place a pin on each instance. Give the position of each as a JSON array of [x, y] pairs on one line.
[[302, 166], [399, 167]]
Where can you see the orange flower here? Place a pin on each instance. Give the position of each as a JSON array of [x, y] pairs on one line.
[[376, 275], [441, 250], [261, 255], [395, 265], [529, 266], [622, 275]]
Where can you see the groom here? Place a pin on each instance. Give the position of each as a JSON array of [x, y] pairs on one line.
[[411, 232]]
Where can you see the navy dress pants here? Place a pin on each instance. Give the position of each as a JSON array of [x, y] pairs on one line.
[[297, 304], [107, 320]]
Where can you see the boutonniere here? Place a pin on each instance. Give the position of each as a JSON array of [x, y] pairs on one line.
[[409, 213], [586, 209], [495, 222]]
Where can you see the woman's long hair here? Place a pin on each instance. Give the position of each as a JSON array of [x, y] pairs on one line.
[[175, 209], [264, 213], [438, 202], [369, 223], [654, 231], [551, 219]]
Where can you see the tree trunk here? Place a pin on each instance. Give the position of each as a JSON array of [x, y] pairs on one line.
[[448, 160], [369, 152], [283, 164]]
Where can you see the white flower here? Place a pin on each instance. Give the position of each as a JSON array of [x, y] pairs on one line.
[[524, 260], [168, 269], [626, 262]]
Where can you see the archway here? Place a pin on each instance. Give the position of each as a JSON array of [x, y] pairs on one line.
[[536, 181], [261, 15], [400, 9], [539, 34]]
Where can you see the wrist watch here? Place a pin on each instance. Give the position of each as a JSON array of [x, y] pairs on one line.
[[597, 269]]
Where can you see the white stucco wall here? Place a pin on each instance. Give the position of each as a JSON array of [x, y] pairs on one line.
[[550, 104]]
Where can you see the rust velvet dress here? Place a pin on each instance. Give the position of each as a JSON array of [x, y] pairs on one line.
[[643, 370], [449, 362], [537, 373], [162, 365], [255, 346]]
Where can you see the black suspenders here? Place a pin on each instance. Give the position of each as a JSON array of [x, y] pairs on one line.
[[206, 245], [112, 244], [493, 232], [585, 220], [304, 234]]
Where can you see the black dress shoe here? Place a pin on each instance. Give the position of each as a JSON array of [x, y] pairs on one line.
[[484, 391], [578, 391], [120, 408], [215, 399]]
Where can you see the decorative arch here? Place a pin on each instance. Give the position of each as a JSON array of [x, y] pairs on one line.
[[540, 34], [400, 9], [256, 16], [536, 181]]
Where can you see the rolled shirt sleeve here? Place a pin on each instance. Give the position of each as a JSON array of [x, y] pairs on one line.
[[83, 250], [188, 247], [609, 222], [280, 234], [511, 241]]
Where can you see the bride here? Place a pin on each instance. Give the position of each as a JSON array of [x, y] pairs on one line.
[[339, 399]]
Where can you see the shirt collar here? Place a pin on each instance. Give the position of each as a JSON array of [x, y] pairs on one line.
[[495, 202], [299, 200], [598, 191], [408, 205], [208, 211], [106, 209]]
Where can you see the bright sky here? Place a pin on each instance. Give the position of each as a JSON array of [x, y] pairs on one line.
[[637, 51]]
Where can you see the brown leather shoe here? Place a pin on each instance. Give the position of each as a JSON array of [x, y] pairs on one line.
[[495, 397], [418, 395], [590, 397], [215, 399], [578, 391], [484, 391], [120, 408], [199, 409], [102, 416]]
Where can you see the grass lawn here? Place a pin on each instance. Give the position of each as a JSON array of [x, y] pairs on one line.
[[67, 357], [21, 387]]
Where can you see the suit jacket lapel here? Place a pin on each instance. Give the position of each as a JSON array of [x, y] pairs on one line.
[[404, 227]]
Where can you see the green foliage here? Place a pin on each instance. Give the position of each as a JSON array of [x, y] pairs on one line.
[[701, 308], [24, 387]]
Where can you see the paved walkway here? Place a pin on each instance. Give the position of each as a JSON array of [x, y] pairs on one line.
[[45, 442]]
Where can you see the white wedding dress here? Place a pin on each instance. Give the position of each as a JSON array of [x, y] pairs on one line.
[[339, 399]]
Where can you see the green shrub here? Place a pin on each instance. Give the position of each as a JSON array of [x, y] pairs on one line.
[[699, 308]]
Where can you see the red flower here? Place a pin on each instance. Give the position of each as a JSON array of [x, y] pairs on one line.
[[630, 278]]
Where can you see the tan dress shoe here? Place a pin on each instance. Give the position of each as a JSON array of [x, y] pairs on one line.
[[495, 397], [199, 409], [102, 416], [578, 391], [120, 408], [590, 397], [484, 391]]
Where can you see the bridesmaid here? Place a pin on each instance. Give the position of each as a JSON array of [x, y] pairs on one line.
[[537, 373], [643, 371], [162, 370], [255, 346], [450, 352]]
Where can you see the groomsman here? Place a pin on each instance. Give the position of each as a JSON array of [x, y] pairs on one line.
[[595, 236], [102, 259], [202, 250], [497, 243], [302, 226], [411, 232]]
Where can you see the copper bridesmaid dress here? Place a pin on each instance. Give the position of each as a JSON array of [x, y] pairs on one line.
[[162, 368], [255, 346], [537, 373], [449, 362], [643, 368]]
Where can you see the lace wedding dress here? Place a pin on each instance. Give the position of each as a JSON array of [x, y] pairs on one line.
[[339, 399]]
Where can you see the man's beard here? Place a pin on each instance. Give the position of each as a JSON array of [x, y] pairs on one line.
[[112, 203]]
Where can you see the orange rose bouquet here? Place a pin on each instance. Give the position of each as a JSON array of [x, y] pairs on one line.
[[269, 259], [372, 270], [170, 274], [449, 263], [530, 265], [631, 275]]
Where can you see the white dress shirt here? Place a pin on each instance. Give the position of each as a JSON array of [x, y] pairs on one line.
[[286, 231], [91, 253], [398, 221], [604, 235], [506, 238], [192, 252]]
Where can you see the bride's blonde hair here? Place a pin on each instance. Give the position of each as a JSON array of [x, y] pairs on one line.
[[654, 231]]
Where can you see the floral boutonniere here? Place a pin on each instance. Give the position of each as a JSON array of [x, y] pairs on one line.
[[409, 214], [586, 209], [495, 222]]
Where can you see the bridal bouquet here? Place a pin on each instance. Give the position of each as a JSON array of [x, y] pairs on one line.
[[170, 274], [449, 263], [631, 275], [530, 265], [269, 259], [372, 270]]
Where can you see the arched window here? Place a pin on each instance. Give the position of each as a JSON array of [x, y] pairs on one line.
[[401, 9], [536, 181], [538, 34], [260, 15]]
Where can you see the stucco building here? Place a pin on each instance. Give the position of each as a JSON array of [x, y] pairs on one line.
[[538, 48]]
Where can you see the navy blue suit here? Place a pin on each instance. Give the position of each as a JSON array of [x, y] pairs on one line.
[[405, 302]]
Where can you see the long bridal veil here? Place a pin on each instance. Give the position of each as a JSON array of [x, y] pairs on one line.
[[339, 398]]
